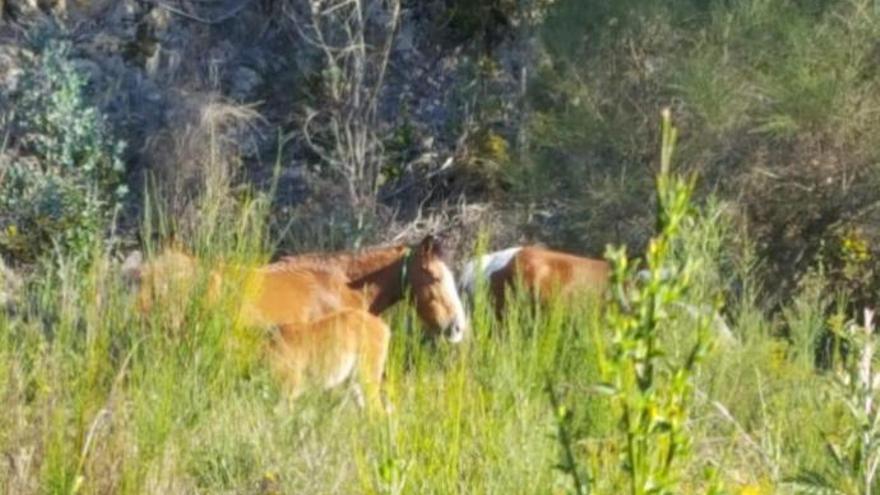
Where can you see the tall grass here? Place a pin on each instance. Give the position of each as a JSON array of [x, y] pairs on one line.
[[774, 99], [100, 400]]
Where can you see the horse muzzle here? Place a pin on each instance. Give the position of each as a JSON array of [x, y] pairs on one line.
[[456, 331]]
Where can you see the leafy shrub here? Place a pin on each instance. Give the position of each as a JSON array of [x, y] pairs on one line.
[[63, 174], [771, 98], [649, 384], [485, 21], [487, 160], [854, 449], [850, 258]]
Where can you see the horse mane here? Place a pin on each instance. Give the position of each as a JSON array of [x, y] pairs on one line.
[[353, 263], [170, 257]]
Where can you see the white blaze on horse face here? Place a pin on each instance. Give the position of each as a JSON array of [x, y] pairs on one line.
[[459, 322], [488, 264]]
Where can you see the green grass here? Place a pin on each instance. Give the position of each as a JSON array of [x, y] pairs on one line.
[[776, 101], [171, 410], [99, 400]]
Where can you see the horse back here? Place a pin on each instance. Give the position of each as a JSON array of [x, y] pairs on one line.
[[545, 272], [294, 295]]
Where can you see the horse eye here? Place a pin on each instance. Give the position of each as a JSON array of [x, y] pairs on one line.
[[430, 279]]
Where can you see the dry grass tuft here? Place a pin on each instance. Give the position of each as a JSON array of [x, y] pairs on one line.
[[199, 151]]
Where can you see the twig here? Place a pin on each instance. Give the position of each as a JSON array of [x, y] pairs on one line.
[[563, 436], [445, 167], [217, 20], [102, 415]]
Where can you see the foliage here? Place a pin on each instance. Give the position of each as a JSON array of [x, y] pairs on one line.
[[651, 393], [343, 128], [488, 160], [63, 176], [854, 450], [485, 21], [771, 98], [127, 404], [849, 257]]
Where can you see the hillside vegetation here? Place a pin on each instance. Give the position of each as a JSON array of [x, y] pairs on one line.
[[725, 148]]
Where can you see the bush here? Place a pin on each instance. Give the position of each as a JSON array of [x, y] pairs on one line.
[[62, 174], [649, 388], [772, 99]]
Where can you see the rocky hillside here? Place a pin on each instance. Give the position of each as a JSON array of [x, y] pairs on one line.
[[533, 120], [266, 85]]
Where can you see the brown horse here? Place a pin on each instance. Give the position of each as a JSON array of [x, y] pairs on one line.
[[301, 288], [384, 275], [270, 295], [544, 274], [318, 302], [324, 332]]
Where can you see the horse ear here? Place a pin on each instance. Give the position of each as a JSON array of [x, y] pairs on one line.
[[131, 267], [439, 246], [432, 246], [428, 246]]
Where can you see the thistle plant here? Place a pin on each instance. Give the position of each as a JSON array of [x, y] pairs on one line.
[[651, 391], [855, 452]]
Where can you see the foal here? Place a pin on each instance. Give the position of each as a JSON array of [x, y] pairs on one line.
[[328, 351], [543, 273]]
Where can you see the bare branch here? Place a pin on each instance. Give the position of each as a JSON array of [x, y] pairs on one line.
[[204, 20], [355, 75]]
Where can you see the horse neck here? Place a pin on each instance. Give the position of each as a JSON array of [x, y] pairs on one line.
[[378, 274], [375, 272]]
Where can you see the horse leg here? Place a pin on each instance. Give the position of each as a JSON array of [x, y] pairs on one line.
[[358, 392], [336, 342], [288, 362], [498, 288], [375, 337]]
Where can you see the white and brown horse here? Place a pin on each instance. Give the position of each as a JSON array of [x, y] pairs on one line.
[[543, 273], [547, 274]]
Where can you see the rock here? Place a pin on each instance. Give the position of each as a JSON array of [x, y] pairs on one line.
[[405, 39], [22, 8], [87, 68], [159, 20], [244, 83], [11, 61], [292, 172], [307, 62], [378, 15]]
